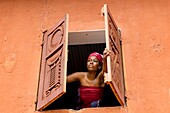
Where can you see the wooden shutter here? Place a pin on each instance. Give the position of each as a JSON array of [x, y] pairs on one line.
[[52, 83], [114, 75]]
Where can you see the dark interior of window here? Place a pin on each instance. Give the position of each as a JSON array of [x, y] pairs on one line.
[[77, 58]]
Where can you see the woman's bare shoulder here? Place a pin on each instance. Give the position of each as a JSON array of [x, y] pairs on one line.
[[77, 76], [80, 74]]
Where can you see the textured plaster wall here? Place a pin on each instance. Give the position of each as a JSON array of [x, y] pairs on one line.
[[145, 35]]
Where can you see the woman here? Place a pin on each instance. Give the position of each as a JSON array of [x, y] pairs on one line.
[[91, 82]]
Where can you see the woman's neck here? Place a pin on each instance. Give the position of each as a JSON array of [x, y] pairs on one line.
[[91, 75]]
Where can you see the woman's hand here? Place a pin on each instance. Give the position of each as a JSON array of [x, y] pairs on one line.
[[106, 53]]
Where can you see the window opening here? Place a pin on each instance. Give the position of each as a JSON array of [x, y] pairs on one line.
[[77, 58]]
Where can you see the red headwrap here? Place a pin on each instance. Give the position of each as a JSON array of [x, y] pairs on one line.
[[98, 56]]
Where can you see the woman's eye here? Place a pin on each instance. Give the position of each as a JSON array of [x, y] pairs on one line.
[[94, 60]]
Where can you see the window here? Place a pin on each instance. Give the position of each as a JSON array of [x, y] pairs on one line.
[[57, 62]]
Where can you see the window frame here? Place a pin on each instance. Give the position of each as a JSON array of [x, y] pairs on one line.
[[108, 76]]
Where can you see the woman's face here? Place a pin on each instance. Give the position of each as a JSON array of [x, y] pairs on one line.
[[92, 63]]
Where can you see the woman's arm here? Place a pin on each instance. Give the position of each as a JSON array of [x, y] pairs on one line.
[[106, 53], [75, 77]]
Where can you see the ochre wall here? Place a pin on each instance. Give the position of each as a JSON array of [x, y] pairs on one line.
[[144, 25]]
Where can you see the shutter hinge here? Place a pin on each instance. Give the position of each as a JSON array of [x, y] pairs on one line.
[[102, 11], [35, 103], [43, 31], [119, 34], [42, 43]]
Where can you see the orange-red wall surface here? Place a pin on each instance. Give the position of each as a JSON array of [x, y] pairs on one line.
[[145, 39]]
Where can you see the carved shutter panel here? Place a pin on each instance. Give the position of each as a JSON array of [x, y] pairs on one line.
[[52, 83], [114, 75]]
